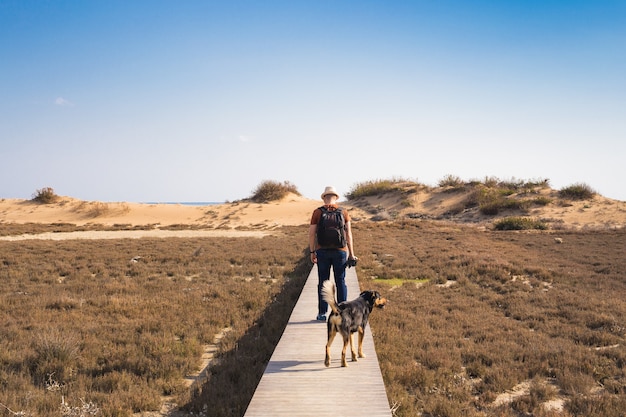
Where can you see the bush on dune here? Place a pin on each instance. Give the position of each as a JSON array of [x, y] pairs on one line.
[[273, 191], [578, 191], [519, 223], [378, 187], [45, 195]]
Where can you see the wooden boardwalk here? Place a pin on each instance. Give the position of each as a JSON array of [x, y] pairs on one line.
[[296, 382]]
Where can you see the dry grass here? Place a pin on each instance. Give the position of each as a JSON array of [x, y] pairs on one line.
[[120, 323], [521, 307], [82, 321]]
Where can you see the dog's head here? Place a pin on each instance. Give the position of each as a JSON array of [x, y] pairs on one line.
[[374, 299]]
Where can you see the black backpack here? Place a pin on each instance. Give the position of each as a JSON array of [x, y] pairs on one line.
[[331, 229]]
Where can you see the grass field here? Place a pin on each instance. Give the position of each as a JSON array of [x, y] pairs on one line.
[[111, 327]]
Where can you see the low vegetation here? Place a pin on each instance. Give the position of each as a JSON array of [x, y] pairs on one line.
[[490, 196], [45, 195], [378, 187], [273, 191], [519, 223], [119, 323], [109, 327], [499, 309], [578, 191], [451, 181]]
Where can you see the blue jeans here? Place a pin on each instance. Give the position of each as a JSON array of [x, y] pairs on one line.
[[337, 259]]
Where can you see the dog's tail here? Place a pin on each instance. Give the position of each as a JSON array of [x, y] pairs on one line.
[[328, 295]]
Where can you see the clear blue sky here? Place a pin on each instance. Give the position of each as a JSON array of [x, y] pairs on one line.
[[203, 100]]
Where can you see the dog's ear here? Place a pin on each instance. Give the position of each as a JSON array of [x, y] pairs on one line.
[[374, 299], [369, 296]]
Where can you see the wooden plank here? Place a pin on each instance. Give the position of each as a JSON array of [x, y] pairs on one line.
[[296, 382]]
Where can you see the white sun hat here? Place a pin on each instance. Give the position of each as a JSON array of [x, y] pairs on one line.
[[329, 190]]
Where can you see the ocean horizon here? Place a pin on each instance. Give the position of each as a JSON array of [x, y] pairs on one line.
[[185, 203]]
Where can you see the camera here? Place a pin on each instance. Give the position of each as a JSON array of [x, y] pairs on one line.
[[351, 262]]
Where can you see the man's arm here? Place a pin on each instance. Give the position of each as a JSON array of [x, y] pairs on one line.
[[349, 240], [313, 241]]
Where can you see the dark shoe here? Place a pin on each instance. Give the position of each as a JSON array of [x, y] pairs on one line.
[[321, 317]]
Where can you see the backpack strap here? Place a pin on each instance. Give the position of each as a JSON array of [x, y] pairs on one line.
[[339, 210], [343, 219], [325, 209]]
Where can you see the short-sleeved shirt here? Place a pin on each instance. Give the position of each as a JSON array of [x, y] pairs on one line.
[[317, 214]]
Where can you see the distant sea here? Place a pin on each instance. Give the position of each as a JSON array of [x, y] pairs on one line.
[[186, 203]]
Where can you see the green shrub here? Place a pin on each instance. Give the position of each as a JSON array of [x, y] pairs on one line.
[[494, 206], [519, 223], [523, 186], [273, 191], [512, 186], [492, 199], [375, 187], [45, 195], [489, 200], [578, 191]]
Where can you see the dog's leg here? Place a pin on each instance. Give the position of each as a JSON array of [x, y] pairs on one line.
[[346, 339], [352, 349], [332, 331], [361, 334]]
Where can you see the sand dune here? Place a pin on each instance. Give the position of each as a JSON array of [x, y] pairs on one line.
[[292, 210], [437, 204]]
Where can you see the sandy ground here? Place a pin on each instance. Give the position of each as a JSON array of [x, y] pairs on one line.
[[229, 219], [292, 210], [254, 219]]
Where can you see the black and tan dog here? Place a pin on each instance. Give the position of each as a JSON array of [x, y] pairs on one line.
[[349, 317]]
